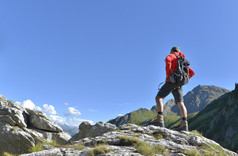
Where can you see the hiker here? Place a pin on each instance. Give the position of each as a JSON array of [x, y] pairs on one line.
[[177, 90]]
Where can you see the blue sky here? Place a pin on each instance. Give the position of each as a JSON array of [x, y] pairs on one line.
[[93, 60]]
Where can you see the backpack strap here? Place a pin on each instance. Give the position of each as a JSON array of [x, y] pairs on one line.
[[177, 55]]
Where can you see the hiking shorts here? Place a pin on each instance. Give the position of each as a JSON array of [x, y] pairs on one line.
[[169, 87]]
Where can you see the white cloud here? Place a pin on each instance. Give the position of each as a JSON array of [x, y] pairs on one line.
[[17, 102], [76, 121], [68, 121], [49, 109], [37, 108], [71, 111], [58, 119], [66, 104], [92, 110], [28, 104], [120, 115]]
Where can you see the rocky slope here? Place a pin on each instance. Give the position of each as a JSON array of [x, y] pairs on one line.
[[22, 128], [219, 120], [195, 101], [131, 139]]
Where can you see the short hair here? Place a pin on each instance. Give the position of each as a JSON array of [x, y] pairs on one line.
[[175, 49]]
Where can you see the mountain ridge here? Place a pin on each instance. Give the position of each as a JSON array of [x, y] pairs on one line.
[[199, 97], [219, 120]]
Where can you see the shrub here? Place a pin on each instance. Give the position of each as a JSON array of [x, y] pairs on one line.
[[127, 141], [38, 147], [157, 136], [142, 147], [101, 149], [75, 146], [193, 152], [15, 128], [7, 154], [145, 149]]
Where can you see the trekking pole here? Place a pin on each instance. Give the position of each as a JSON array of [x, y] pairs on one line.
[[160, 85]]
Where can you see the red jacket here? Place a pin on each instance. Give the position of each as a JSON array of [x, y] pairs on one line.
[[171, 62]]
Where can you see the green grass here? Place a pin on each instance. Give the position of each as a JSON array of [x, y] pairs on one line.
[[15, 128], [127, 141], [75, 146], [157, 136], [38, 147], [142, 147], [101, 149], [195, 133], [8, 154], [193, 152], [219, 148]]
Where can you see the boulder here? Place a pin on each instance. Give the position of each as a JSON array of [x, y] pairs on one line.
[[14, 139], [15, 114], [39, 121], [60, 138], [87, 130]]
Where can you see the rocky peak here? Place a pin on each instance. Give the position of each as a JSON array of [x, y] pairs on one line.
[[130, 139]]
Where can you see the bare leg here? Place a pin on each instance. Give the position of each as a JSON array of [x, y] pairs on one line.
[[183, 109], [159, 103], [159, 120]]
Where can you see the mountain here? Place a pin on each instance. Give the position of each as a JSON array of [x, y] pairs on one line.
[[195, 101], [219, 120], [71, 130], [137, 117]]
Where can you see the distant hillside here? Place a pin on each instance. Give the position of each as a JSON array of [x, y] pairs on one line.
[[137, 117], [219, 120], [71, 130], [195, 101]]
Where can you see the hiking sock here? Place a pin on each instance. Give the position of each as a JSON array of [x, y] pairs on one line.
[[184, 118], [160, 113]]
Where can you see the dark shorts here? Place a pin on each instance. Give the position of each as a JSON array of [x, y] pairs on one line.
[[169, 87]]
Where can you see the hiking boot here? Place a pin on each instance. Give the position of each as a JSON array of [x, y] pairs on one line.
[[183, 126], [158, 121]]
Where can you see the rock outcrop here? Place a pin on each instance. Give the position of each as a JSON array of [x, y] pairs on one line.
[[88, 130], [154, 140], [22, 128]]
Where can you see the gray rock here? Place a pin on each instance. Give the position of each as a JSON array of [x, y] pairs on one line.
[[16, 115], [60, 138], [21, 128], [175, 142], [8, 119], [57, 152], [39, 121], [87, 130], [14, 139]]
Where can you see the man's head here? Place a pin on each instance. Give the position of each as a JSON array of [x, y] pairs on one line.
[[175, 49]]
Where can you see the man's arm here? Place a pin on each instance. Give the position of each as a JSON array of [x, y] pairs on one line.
[[168, 67]]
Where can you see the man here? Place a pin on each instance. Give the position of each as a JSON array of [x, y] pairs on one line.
[[177, 91]]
